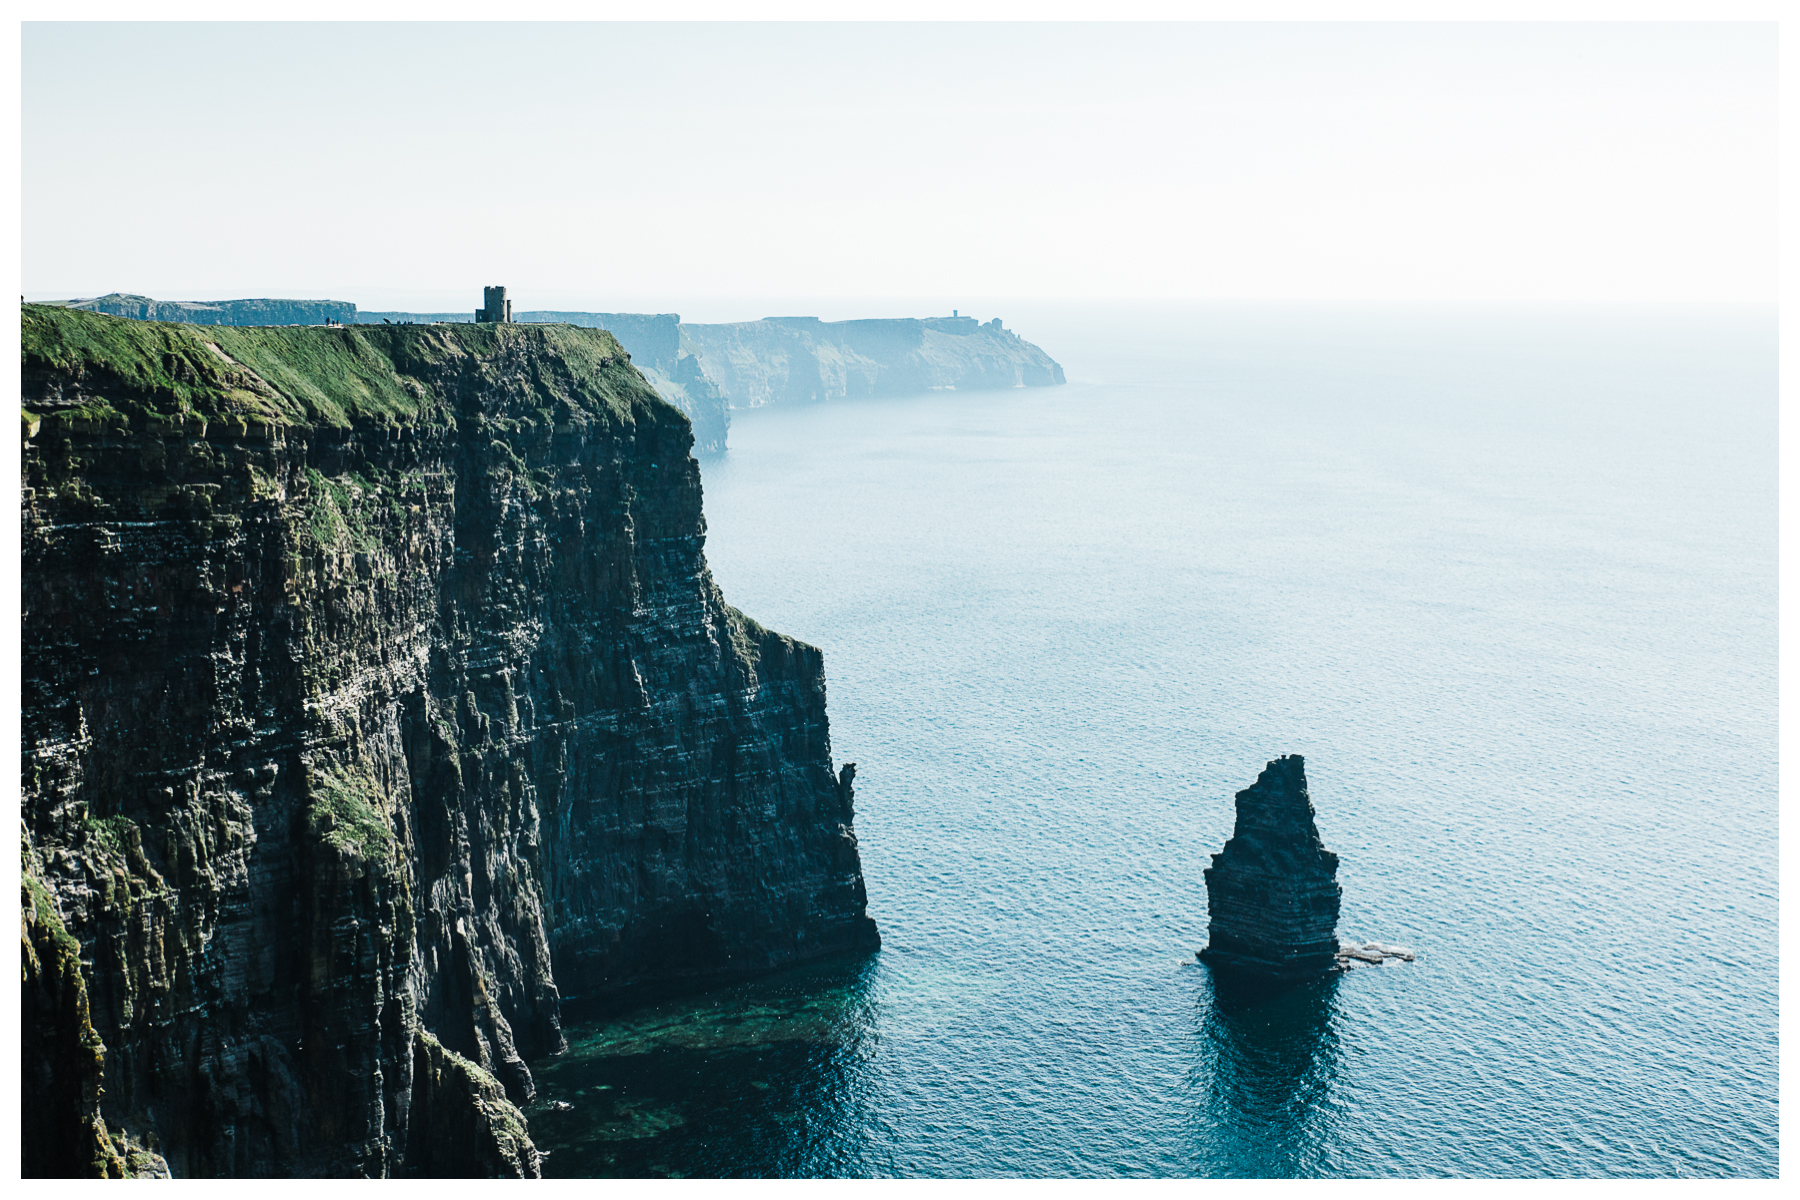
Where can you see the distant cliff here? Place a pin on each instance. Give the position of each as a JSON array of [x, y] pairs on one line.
[[803, 360], [376, 697], [219, 312]]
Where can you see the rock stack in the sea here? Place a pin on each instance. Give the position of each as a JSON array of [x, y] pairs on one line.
[[1273, 892]]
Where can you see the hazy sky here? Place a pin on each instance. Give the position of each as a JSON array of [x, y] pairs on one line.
[[602, 165]]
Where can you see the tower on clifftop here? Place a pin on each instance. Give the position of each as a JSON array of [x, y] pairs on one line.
[[495, 306]]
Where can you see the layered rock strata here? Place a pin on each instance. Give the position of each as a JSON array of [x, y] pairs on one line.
[[1272, 893], [376, 697]]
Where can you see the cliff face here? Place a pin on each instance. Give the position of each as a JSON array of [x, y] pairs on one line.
[[1273, 891], [803, 360], [683, 383], [219, 312], [375, 696], [654, 342]]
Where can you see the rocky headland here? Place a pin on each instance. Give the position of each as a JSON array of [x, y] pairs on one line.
[[377, 701], [654, 344], [218, 312], [803, 360], [1272, 893], [707, 370]]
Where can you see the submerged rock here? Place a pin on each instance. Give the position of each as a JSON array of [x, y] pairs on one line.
[[1273, 893]]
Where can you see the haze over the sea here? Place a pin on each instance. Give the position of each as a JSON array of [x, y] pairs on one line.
[[643, 167]]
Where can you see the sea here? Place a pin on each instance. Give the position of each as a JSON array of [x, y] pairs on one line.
[[1506, 577]]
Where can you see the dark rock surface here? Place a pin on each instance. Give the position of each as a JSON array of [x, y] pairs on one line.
[[1272, 892], [62, 1060], [375, 696], [461, 1124]]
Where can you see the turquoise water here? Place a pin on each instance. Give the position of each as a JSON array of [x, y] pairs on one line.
[[1507, 579]]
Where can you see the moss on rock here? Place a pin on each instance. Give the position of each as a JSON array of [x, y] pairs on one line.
[[347, 809]]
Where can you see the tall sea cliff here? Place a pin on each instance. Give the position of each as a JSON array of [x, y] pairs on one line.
[[377, 701]]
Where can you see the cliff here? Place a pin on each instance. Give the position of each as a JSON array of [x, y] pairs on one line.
[[651, 340], [376, 699], [803, 360], [1272, 892], [219, 312], [706, 370], [655, 344]]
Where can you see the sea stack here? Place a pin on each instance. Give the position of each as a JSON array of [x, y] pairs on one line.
[[1273, 892]]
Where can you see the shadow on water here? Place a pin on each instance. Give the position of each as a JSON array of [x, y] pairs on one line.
[[1268, 1058], [765, 1078]]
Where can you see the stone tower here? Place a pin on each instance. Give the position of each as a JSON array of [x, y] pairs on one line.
[[495, 306], [1273, 893]]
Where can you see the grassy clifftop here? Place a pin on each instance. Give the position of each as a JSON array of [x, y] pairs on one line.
[[108, 369]]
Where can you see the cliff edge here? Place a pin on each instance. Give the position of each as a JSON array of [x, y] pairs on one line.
[[656, 347], [376, 698], [218, 312]]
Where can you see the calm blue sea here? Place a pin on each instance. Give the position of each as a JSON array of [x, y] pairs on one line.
[[1506, 578]]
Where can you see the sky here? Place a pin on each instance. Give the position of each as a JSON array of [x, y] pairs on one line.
[[625, 167]]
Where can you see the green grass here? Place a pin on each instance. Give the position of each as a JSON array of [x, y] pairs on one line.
[[44, 912], [318, 375], [346, 809], [339, 511], [111, 833], [747, 635]]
